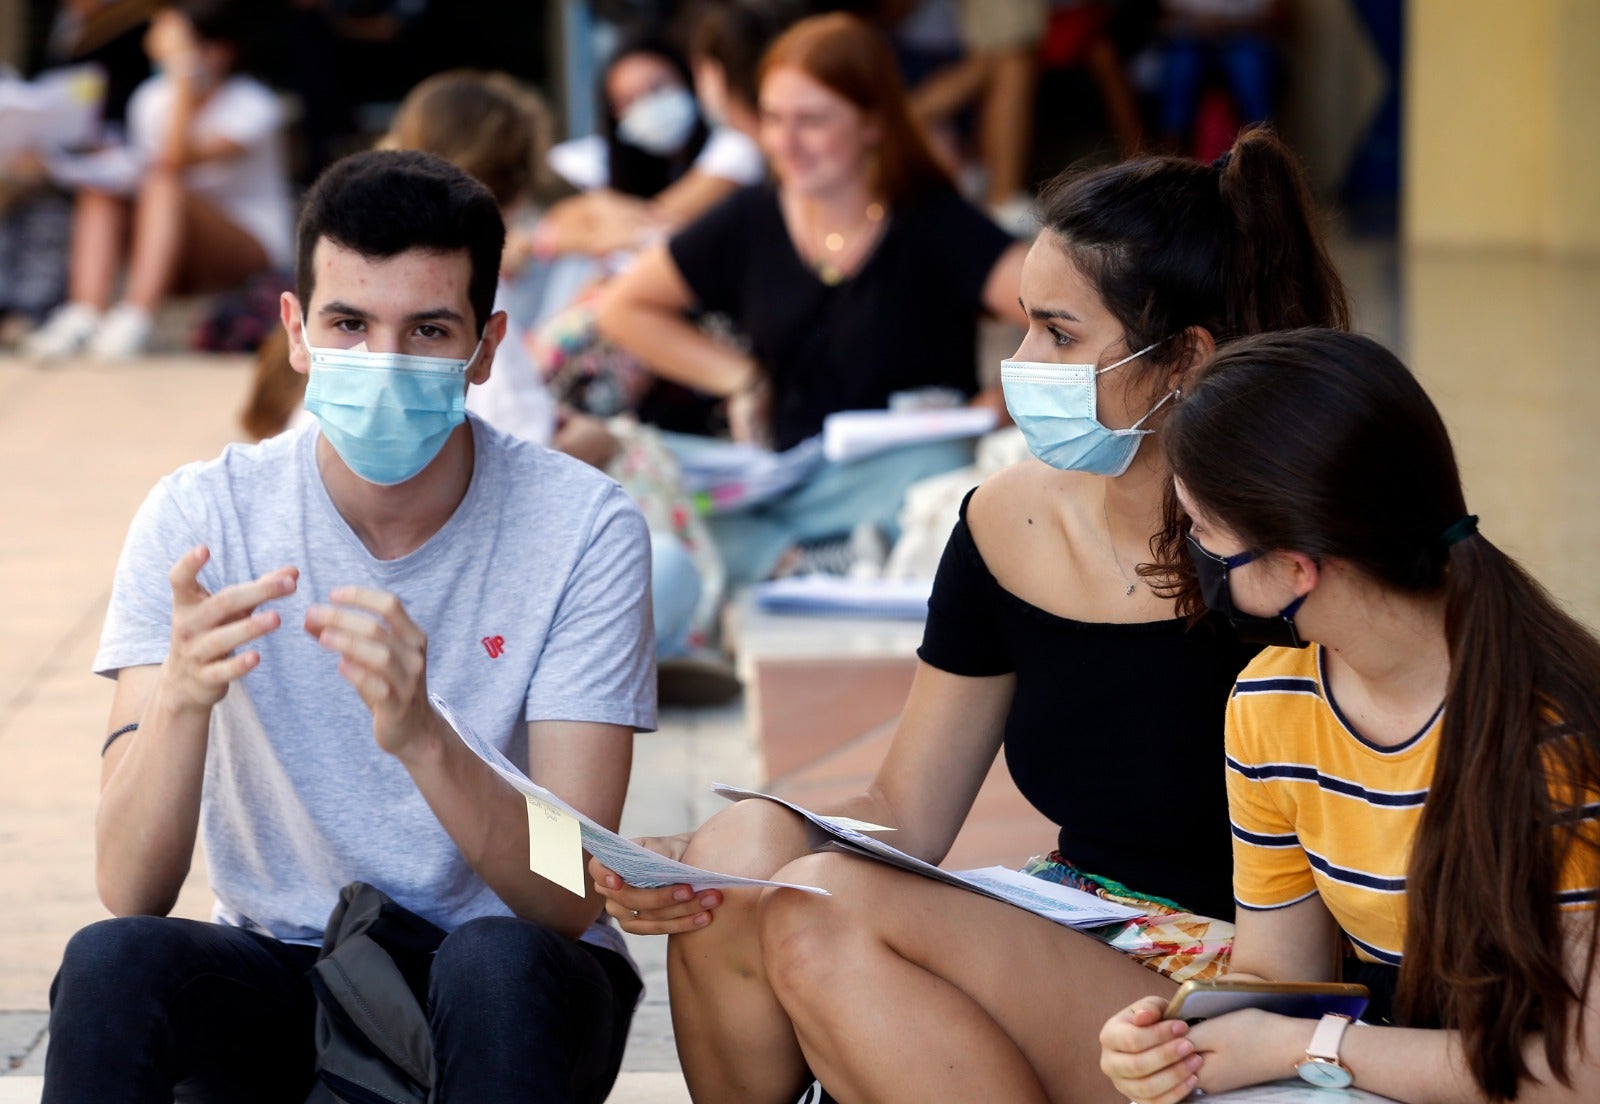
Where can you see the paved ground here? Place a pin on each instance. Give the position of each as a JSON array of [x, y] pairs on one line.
[[79, 448]]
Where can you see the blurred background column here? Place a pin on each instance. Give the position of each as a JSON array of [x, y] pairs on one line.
[[1502, 138], [13, 37]]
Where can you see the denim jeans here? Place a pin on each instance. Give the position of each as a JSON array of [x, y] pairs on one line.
[[156, 1009], [831, 503]]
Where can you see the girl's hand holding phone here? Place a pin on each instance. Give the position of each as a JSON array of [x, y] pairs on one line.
[[1150, 1059]]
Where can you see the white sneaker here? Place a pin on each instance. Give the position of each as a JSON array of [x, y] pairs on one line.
[[66, 331], [124, 332]]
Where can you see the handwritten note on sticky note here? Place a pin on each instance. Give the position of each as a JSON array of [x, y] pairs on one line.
[[555, 846]]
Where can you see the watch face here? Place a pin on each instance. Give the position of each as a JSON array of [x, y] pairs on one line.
[[1324, 1075]]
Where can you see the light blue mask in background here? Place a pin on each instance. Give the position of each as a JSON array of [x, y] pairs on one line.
[[387, 415], [661, 122], [1054, 406]]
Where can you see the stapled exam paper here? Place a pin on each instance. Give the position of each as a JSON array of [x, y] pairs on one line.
[[554, 848], [1060, 904]]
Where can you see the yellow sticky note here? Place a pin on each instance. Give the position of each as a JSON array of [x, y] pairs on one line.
[[555, 846]]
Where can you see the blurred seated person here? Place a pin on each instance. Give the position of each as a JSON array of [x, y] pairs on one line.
[[858, 275], [556, 299], [1233, 39], [655, 164], [207, 199]]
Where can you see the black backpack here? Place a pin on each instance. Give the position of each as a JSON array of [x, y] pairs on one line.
[[371, 985]]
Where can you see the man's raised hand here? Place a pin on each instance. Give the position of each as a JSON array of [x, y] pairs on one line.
[[384, 655], [207, 628]]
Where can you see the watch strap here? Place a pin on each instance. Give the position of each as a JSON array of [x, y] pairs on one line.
[[1326, 1038]]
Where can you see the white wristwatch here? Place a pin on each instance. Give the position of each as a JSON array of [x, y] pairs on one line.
[[1321, 1066]]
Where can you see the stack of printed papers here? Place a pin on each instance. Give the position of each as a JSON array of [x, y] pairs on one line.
[[724, 475], [558, 834], [854, 434], [1070, 907], [60, 107], [836, 595]]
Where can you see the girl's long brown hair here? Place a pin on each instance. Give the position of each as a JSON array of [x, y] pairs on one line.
[[853, 59], [1323, 442]]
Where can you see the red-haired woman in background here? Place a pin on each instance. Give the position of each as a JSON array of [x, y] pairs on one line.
[[859, 274]]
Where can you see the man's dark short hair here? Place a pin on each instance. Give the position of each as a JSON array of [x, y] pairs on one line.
[[383, 202]]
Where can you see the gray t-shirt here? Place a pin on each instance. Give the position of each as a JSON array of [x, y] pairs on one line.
[[535, 597]]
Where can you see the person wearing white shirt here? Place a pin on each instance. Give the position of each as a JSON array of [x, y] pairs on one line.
[[210, 206]]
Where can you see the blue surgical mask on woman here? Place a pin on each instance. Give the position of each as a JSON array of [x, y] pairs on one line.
[[387, 415], [1054, 406], [661, 122]]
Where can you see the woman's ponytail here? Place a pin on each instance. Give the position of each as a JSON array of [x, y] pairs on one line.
[[1279, 276], [1519, 760]]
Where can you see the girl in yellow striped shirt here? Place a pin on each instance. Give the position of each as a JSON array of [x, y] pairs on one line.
[[1413, 769]]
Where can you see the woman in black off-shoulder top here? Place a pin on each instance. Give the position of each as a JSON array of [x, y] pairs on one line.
[[1042, 639]]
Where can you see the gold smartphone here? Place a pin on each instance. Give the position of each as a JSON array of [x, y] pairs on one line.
[[1201, 1000]]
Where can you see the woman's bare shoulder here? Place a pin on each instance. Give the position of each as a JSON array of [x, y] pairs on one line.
[[1023, 515], [1029, 489]]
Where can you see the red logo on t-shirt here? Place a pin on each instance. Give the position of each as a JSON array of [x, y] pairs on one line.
[[494, 645]]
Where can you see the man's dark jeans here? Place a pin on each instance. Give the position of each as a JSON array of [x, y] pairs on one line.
[[158, 1009]]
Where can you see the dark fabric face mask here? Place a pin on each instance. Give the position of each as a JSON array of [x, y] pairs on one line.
[[1212, 571]]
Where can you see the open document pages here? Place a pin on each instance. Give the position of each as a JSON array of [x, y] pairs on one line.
[[558, 834], [1060, 904]]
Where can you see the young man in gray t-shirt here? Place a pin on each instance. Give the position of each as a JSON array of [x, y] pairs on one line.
[[282, 616]]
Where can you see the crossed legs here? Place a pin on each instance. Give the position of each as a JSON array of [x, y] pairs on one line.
[[893, 988]]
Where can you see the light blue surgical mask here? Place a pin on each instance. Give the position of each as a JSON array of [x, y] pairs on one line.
[[387, 415], [661, 122], [1054, 406]]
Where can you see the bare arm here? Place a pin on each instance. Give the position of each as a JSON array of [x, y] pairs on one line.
[[1002, 291], [942, 749], [585, 764], [1412, 1065], [643, 312], [182, 147], [596, 223], [947, 738], [150, 779], [1001, 298], [690, 196], [1421, 1066]]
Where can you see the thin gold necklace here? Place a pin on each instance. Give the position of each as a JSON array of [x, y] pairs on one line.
[[1116, 559], [829, 262]]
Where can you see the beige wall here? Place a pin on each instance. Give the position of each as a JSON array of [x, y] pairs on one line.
[[1502, 125]]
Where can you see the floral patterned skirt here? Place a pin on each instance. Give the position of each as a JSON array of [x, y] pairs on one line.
[[1170, 940]]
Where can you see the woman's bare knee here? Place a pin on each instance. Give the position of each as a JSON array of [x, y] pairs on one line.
[[807, 940], [750, 838]]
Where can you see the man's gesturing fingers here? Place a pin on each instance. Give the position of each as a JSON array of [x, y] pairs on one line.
[[384, 655], [207, 628]]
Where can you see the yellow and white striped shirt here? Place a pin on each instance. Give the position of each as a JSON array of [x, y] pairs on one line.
[[1316, 808]]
